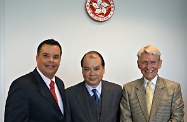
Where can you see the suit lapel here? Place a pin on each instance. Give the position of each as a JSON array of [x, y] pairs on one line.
[[83, 101], [106, 99], [44, 90], [62, 91], [60, 88], [141, 97], [159, 91]]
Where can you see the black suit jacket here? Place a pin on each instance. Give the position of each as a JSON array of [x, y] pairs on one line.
[[78, 109], [30, 100]]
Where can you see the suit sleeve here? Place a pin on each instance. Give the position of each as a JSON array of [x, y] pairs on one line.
[[177, 113], [125, 107], [68, 111], [17, 104]]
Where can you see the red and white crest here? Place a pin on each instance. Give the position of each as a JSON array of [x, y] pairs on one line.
[[100, 10]]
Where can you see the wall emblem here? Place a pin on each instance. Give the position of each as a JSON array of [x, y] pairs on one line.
[[100, 10]]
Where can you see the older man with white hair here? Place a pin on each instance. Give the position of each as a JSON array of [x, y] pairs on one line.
[[151, 98]]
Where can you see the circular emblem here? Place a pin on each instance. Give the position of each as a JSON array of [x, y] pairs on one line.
[[100, 10]]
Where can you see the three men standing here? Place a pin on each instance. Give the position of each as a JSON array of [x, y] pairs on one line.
[[40, 95]]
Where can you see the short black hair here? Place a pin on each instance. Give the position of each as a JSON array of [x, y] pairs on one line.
[[94, 52], [49, 42]]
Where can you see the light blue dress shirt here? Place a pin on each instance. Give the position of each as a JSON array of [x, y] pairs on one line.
[[153, 85], [98, 88]]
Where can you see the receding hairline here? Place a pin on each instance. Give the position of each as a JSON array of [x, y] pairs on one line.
[[93, 54]]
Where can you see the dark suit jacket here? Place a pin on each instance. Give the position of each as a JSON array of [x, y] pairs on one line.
[[79, 109], [167, 103], [30, 100]]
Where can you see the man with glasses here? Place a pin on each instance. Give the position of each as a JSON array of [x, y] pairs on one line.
[[151, 98]]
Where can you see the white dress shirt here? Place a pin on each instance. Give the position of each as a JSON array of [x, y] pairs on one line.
[[47, 81]]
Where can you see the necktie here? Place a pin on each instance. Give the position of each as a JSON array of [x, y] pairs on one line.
[[52, 89], [149, 96], [94, 96]]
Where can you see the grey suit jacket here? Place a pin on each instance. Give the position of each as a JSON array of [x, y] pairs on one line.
[[167, 103], [79, 109]]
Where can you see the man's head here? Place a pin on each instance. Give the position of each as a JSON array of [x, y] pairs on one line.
[[149, 61], [48, 57], [93, 68]]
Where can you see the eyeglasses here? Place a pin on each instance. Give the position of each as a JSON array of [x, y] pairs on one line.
[[152, 63]]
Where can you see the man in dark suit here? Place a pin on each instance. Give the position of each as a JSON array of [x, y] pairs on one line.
[[101, 105], [38, 96], [151, 98]]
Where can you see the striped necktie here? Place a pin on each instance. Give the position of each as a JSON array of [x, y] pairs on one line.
[[95, 96]]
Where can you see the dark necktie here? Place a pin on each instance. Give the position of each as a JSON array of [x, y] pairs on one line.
[[52, 89], [94, 96]]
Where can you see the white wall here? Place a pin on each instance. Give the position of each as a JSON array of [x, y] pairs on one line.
[[134, 24], [2, 77]]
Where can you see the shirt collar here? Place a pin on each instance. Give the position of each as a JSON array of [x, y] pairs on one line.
[[153, 80], [89, 88], [46, 79]]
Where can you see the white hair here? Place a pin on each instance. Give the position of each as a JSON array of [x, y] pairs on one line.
[[151, 50]]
